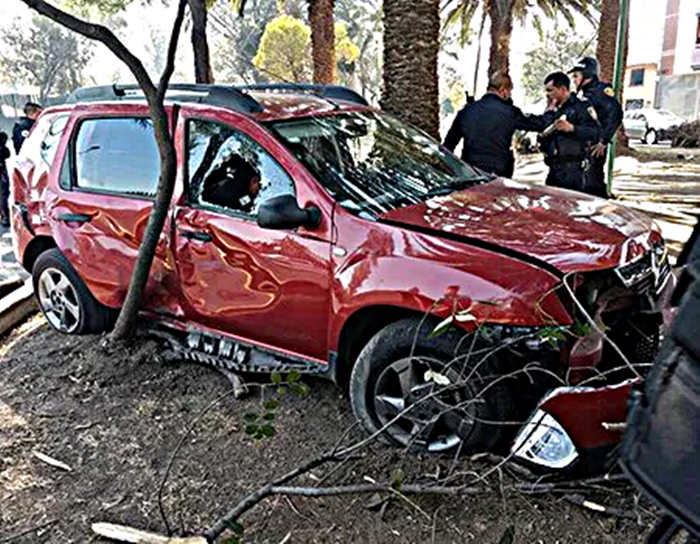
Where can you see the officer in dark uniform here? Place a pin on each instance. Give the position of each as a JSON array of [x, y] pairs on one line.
[[572, 131], [487, 127], [234, 184], [25, 124], [602, 96]]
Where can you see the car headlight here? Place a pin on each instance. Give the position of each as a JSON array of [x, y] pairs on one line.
[[543, 441]]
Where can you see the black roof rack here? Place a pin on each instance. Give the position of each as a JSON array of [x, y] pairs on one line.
[[217, 95], [231, 96], [331, 92]]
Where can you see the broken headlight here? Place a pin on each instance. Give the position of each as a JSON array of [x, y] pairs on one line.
[[543, 441]]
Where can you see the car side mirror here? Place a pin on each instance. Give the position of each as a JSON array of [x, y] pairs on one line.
[[283, 212]]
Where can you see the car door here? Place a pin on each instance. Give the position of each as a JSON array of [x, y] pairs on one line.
[[100, 206], [634, 126], [262, 285]]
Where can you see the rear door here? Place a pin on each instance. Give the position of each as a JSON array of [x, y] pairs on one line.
[[101, 204], [268, 286]]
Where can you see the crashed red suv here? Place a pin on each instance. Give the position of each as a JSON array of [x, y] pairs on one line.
[[310, 231]]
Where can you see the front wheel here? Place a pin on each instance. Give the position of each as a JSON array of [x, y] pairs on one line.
[[650, 137], [430, 394], [64, 299]]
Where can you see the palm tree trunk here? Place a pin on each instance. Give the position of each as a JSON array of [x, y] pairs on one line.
[[322, 40], [501, 31], [202, 64], [605, 52], [410, 60]]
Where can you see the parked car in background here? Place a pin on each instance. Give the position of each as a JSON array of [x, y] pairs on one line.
[[309, 231], [649, 125]]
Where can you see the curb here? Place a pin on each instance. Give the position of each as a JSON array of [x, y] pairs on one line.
[[16, 306]]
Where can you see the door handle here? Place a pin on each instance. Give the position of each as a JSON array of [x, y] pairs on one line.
[[74, 217], [196, 235]]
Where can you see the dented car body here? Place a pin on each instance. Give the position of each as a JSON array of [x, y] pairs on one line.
[[348, 223]]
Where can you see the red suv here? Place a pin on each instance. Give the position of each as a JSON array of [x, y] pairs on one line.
[[310, 231]]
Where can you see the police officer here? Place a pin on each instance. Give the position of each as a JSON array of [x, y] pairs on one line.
[[24, 125], [602, 96], [573, 129], [234, 184], [487, 127]]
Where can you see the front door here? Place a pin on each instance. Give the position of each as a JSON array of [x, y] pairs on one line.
[[271, 287]]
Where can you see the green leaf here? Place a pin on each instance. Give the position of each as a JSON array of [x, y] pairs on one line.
[[271, 404], [397, 478], [508, 535], [252, 430], [270, 416], [441, 327], [250, 417], [268, 430], [234, 526], [300, 389], [281, 391], [276, 378], [293, 377]]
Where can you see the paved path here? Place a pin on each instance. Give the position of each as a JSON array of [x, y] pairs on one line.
[[9, 268]]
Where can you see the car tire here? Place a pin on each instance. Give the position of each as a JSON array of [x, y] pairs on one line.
[[391, 373], [650, 137], [64, 299]]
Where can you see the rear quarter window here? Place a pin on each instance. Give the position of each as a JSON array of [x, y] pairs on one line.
[[117, 155]]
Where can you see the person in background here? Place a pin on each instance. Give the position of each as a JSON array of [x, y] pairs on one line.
[[487, 127], [4, 182], [609, 112], [22, 127], [572, 131]]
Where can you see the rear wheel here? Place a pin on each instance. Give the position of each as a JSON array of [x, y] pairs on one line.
[[64, 299], [427, 393], [650, 137]]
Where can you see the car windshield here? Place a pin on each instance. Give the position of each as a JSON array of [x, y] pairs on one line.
[[373, 163]]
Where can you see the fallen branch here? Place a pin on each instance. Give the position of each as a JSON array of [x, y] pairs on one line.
[[579, 500], [51, 461], [408, 489], [122, 533], [27, 531], [566, 485]]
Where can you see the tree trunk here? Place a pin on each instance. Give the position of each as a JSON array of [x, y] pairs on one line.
[[200, 46], [501, 31], [322, 40], [410, 60], [605, 53], [126, 322]]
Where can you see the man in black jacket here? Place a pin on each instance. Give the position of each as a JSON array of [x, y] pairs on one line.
[[487, 126], [602, 96], [572, 131], [22, 127]]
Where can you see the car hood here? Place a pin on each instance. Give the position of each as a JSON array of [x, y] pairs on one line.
[[570, 231]]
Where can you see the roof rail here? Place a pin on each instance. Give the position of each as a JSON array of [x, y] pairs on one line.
[[217, 95], [336, 92]]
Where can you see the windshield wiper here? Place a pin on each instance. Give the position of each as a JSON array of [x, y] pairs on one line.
[[456, 186]]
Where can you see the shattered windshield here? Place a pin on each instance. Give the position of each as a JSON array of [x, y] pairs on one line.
[[373, 163]]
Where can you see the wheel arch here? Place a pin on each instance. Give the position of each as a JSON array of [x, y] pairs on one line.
[[36, 247], [359, 328]]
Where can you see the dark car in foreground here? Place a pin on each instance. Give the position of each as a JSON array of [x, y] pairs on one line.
[[308, 231]]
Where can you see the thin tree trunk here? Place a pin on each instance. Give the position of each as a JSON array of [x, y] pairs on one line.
[[410, 67], [200, 46], [322, 40], [501, 31], [478, 51], [168, 166]]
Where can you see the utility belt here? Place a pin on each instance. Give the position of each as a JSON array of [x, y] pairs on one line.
[[550, 160]]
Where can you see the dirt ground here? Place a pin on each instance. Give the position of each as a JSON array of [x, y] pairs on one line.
[[115, 419]]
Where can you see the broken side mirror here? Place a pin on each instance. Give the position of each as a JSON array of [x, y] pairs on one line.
[[283, 212]]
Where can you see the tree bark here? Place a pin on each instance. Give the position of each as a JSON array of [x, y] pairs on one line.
[[410, 59], [501, 31], [200, 46], [322, 40], [168, 166]]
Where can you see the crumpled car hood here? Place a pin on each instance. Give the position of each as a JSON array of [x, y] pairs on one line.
[[571, 231]]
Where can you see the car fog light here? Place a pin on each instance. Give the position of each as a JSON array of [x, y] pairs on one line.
[[543, 441]]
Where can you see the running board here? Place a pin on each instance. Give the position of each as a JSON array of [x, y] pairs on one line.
[[227, 352]]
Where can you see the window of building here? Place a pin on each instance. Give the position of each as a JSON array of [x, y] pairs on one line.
[[637, 77], [117, 155]]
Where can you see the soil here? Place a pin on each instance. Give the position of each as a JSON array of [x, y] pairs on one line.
[[115, 418]]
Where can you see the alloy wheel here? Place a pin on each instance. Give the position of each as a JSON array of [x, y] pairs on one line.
[[59, 300]]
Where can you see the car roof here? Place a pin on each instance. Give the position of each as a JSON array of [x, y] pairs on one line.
[[261, 102]]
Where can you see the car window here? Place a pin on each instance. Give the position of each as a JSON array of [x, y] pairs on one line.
[[372, 163], [49, 145], [229, 170], [117, 155]]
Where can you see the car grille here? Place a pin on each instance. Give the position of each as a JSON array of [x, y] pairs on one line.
[[648, 273]]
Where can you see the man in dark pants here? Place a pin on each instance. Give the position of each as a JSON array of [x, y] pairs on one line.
[[487, 126], [22, 127], [572, 130], [602, 96]]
